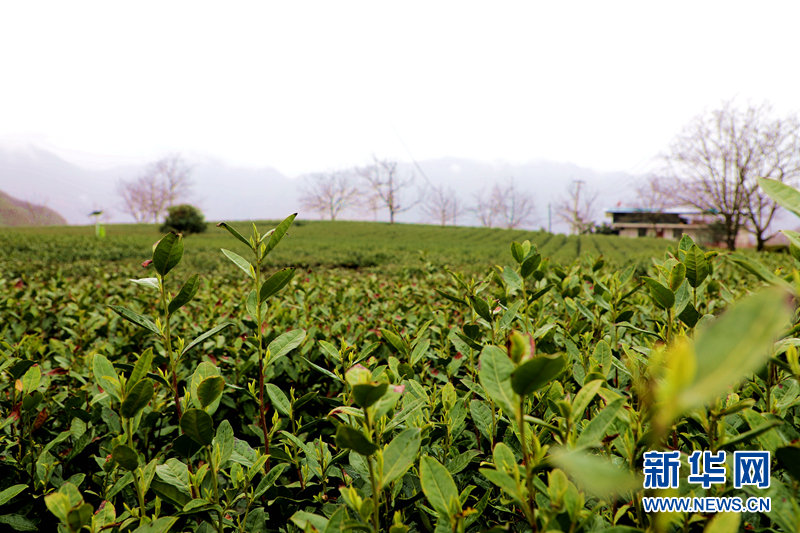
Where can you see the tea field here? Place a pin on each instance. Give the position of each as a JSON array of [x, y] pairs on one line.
[[364, 377]]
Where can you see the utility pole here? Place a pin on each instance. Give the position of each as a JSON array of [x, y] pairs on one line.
[[549, 219]]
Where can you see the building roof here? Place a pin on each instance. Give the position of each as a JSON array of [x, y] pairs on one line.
[[670, 211]]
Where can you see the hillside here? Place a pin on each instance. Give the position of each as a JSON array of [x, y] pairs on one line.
[[14, 212]]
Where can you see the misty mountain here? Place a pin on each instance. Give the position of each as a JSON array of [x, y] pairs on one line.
[[223, 191], [14, 212]]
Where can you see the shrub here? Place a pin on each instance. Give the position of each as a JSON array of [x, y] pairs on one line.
[[184, 218]]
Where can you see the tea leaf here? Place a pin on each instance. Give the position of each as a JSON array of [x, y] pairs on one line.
[[140, 369], [285, 343], [399, 455], [235, 233], [125, 457], [439, 487], [275, 283], [536, 373], [210, 333], [137, 399], [278, 399], [662, 296], [106, 377], [198, 426], [240, 262], [10, 492], [168, 253], [209, 390], [185, 295], [595, 475], [136, 318], [696, 266], [352, 439], [366, 394], [277, 234], [786, 196], [495, 377], [735, 345]]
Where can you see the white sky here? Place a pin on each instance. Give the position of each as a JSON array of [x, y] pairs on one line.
[[305, 86]]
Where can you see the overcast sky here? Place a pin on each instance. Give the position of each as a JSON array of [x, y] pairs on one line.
[[305, 86]]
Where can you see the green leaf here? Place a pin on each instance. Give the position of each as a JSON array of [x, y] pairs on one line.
[[277, 234], [536, 373], [185, 295], [366, 394], [504, 481], [235, 233], [240, 262], [150, 283], [676, 276], [596, 475], [79, 517], [724, 523], [175, 473], [399, 455], [269, 479], [58, 504], [137, 399], [662, 296], [584, 398], [276, 282], [396, 341], [106, 377], [125, 457], [278, 399], [439, 487], [481, 307], [210, 333], [10, 492], [136, 318], [785, 196], [697, 268], [309, 521], [517, 252], [689, 315], [756, 268], [159, 525], [352, 439], [512, 279], [168, 253], [19, 522], [495, 377], [594, 432], [31, 378], [140, 369], [210, 389], [735, 345], [222, 444], [198, 426], [285, 343]]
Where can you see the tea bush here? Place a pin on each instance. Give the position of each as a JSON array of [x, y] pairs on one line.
[[262, 396]]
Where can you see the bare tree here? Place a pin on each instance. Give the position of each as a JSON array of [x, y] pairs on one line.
[[484, 209], [512, 207], [577, 208], [442, 205], [162, 185], [329, 193], [387, 187], [714, 163]]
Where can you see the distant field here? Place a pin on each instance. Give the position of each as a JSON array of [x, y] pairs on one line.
[[370, 245]]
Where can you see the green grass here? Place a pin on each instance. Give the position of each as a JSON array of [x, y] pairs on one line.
[[310, 244]]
